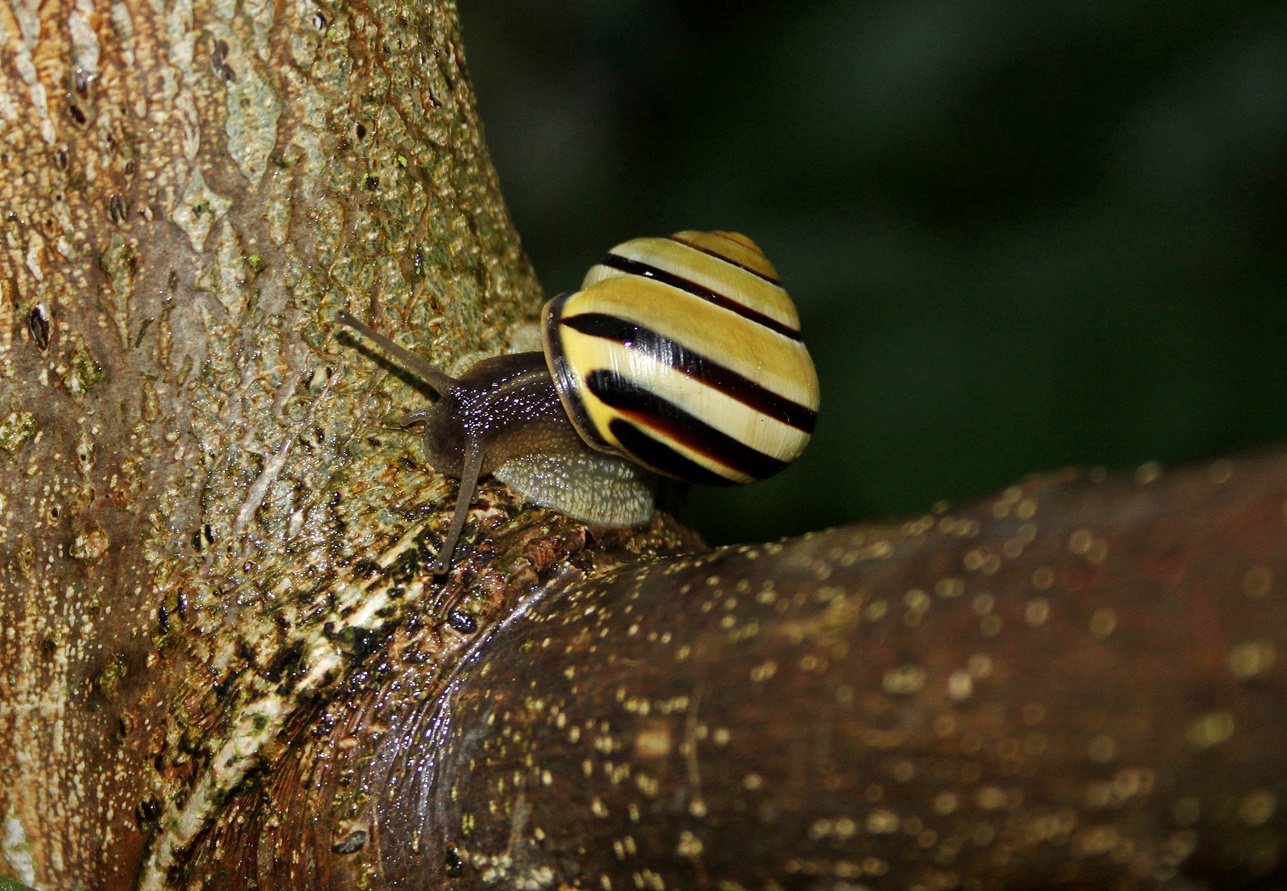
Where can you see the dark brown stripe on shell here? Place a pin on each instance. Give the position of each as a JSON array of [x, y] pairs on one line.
[[644, 270], [773, 280], [650, 411], [697, 366], [661, 457], [565, 378]]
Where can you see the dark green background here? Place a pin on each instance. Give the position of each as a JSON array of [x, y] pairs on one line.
[[1021, 234]]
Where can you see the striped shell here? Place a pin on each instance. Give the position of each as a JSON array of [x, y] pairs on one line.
[[684, 355]]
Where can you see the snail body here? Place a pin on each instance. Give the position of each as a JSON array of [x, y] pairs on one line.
[[679, 356]]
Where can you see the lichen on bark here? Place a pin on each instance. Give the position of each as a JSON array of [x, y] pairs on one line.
[[192, 192]]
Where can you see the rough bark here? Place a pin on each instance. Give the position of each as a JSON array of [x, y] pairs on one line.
[[1077, 683], [190, 191]]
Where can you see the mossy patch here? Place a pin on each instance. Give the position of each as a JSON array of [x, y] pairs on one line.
[[16, 427]]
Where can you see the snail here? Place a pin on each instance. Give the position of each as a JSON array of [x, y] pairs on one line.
[[679, 357]]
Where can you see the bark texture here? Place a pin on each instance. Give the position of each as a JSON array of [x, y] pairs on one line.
[[1078, 683], [190, 191]]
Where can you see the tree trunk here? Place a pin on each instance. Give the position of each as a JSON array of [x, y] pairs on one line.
[[190, 193], [227, 664]]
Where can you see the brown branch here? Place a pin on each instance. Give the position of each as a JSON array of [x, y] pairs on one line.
[[1077, 683]]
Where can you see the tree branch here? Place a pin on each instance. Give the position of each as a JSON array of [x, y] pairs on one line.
[[1075, 683]]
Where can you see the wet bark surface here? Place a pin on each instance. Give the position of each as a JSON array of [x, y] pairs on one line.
[[1077, 683]]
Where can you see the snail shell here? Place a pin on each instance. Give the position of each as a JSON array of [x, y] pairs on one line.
[[679, 356], [684, 355]]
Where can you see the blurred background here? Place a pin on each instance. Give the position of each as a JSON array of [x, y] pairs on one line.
[[1021, 235]]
